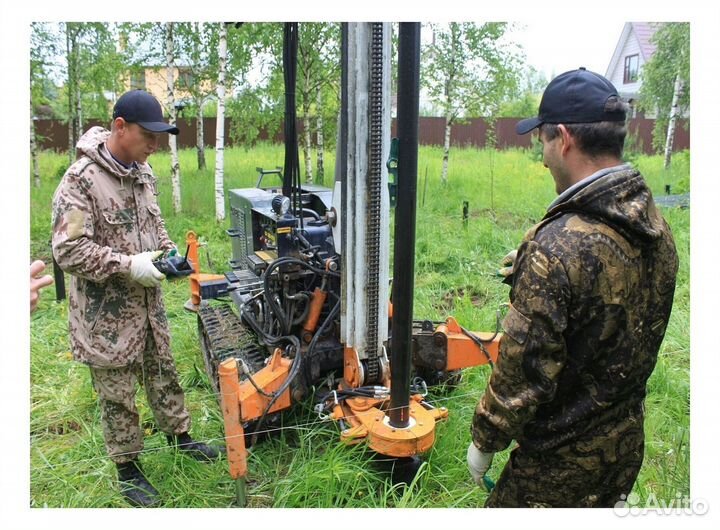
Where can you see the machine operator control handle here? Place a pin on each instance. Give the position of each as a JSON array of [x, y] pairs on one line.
[[262, 172], [392, 166], [174, 267]]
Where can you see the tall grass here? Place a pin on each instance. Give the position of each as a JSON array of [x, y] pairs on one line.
[[303, 464]]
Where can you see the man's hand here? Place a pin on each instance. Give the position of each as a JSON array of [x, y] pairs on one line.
[[143, 271], [37, 283], [478, 463], [508, 263]]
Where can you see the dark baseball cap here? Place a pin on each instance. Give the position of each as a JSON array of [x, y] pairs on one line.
[[138, 106], [577, 96]]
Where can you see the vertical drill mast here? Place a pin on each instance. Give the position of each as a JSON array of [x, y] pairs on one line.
[[365, 200]]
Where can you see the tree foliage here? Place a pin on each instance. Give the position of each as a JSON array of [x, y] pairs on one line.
[[197, 60], [93, 70], [97, 66], [79, 69], [525, 100], [671, 59], [44, 48], [468, 70], [198, 65], [142, 46], [318, 84], [255, 67]]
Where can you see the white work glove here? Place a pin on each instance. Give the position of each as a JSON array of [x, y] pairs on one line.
[[478, 463], [143, 271]]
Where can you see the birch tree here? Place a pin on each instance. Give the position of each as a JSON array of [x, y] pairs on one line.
[[73, 106], [43, 46], [256, 106], [196, 47], [94, 68], [320, 140], [674, 112], [33, 149], [318, 68], [220, 127], [665, 87], [175, 163], [468, 71]]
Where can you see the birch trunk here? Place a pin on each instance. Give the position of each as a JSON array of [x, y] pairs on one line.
[[78, 110], [70, 53], [306, 144], [200, 138], [220, 128], [175, 163], [677, 89], [320, 174], [199, 100], [446, 149], [450, 98], [33, 149]]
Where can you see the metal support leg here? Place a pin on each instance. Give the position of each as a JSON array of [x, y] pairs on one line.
[[241, 492], [234, 432]]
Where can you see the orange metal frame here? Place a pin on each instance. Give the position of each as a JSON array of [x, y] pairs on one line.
[[368, 421], [463, 352], [242, 402], [365, 419]]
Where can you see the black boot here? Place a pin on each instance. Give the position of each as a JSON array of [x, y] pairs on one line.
[[198, 450], [135, 487]]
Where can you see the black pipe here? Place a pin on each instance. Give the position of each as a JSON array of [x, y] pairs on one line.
[[289, 73], [404, 266]]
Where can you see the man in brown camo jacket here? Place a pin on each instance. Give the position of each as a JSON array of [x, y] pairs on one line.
[[592, 291], [107, 230]]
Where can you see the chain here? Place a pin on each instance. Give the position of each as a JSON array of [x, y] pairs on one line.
[[374, 201]]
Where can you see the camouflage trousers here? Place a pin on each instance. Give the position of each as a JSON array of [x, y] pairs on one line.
[[590, 472], [116, 388]]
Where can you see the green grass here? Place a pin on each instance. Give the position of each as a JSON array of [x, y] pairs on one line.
[[304, 465]]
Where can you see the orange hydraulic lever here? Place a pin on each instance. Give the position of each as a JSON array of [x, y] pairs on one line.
[[318, 299], [196, 277]]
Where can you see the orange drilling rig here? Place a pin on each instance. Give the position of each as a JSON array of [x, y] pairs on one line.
[[307, 302]]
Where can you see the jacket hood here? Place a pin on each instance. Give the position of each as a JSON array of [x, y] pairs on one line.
[[623, 201], [93, 144]]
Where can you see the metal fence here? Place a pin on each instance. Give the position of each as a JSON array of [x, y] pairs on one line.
[[53, 134]]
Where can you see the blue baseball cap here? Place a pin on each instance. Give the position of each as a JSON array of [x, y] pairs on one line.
[[138, 106], [577, 96]]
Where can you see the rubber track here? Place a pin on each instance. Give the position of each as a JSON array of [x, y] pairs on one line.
[[228, 336]]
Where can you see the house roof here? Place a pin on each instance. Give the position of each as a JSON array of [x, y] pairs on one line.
[[643, 32]]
